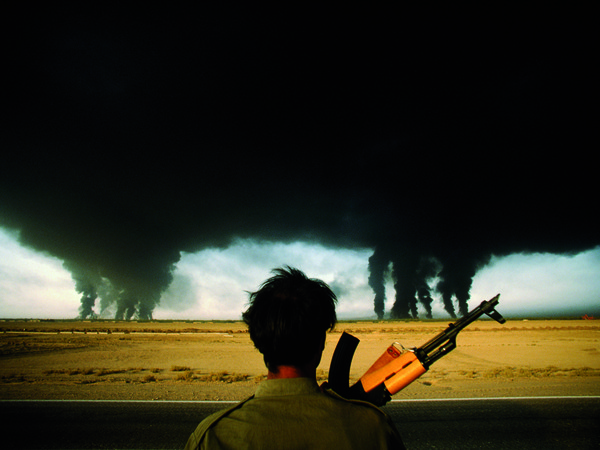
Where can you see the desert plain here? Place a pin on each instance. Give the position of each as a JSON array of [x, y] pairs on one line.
[[157, 360]]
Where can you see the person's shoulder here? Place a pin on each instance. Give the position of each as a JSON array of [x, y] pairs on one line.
[[366, 416], [356, 403], [196, 437]]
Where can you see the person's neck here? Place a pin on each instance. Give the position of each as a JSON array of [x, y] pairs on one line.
[[291, 372]]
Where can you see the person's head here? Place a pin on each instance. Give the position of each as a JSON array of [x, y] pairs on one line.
[[288, 318]]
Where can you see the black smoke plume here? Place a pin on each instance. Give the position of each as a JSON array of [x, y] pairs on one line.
[[437, 144], [87, 289], [377, 271], [428, 269]]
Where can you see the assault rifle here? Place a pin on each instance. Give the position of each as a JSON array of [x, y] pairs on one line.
[[398, 366]]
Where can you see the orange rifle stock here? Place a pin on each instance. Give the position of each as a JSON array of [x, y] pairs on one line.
[[397, 367]]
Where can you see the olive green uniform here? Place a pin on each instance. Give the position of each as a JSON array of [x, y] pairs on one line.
[[294, 413]]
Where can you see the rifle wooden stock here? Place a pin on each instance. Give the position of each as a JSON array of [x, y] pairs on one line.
[[395, 375], [387, 357], [395, 369]]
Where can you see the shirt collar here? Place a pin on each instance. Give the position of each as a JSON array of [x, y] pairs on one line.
[[287, 386]]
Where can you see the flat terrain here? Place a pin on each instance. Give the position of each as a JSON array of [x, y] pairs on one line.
[[106, 360]]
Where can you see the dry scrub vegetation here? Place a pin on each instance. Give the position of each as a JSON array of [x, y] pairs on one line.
[[203, 360]]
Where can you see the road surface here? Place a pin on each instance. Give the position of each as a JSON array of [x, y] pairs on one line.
[[516, 423]]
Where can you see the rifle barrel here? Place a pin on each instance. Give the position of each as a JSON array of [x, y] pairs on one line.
[[431, 351]]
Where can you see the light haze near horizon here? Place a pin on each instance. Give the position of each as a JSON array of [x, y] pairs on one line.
[[213, 283]]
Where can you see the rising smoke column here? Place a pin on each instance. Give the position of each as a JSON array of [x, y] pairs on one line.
[[86, 284], [126, 307], [424, 295], [140, 288], [456, 278], [378, 265], [428, 269], [108, 295], [411, 274], [89, 295], [132, 299], [127, 276], [404, 273]]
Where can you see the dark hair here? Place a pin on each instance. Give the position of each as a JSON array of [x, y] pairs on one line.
[[289, 316]]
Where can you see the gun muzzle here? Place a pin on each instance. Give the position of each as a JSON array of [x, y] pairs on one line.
[[488, 308]]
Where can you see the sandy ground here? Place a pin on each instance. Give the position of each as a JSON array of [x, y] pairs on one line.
[[217, 361]]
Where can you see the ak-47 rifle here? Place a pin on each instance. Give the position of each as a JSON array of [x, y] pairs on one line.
[[397, 367]]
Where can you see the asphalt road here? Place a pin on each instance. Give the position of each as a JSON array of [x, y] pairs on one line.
[[525, 423]]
